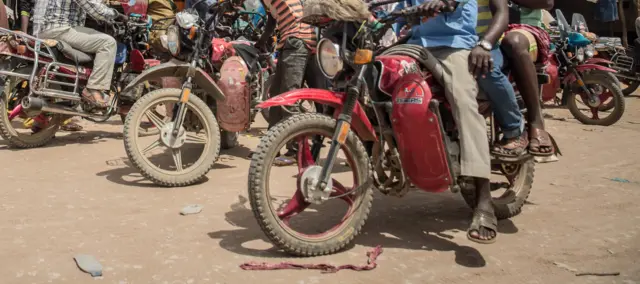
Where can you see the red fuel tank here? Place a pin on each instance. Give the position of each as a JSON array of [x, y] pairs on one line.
[[418, 135]]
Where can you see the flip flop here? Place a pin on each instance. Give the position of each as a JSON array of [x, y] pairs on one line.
[[90, 98], [511, 154], [485, 220], [540, 139], [284, 161], [71, 127]]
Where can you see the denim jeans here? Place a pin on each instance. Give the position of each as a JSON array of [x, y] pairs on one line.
[[500, 92]]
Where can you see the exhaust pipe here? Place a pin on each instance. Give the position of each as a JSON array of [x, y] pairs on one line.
[[34, 106]]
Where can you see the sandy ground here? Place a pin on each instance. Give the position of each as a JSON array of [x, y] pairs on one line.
[[80, 196]]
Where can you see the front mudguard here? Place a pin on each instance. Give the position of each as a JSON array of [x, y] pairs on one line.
[[570, 78], [180, 70], [360, 123]]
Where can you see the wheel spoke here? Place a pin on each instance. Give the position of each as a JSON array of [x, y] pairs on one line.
[[154, 118], [295, 205], [177, 158], [339, 189], [594, 113], [305, 159], [152, 146], [194, 138]]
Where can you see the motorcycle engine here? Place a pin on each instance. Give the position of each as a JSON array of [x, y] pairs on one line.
[[133, 94]]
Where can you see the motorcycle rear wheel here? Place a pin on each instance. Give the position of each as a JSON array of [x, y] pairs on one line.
[[631, 88], [510, 203], [275, 223], [9, 132]]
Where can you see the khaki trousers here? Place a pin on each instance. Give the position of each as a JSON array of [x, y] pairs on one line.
[[461, 92], [93, 42]]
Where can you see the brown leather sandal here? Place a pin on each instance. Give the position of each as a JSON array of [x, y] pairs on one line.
[[539, 139]]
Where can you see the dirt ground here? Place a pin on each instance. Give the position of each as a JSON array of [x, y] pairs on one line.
[[80, 196]]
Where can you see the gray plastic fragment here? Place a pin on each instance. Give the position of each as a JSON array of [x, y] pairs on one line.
[[89, 264], [191, 209]]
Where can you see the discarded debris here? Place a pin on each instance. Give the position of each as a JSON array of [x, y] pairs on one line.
[[325, 268], [191, 209], [89, 264], [620, 180], [598, 274], [610, 251], [564, 266]]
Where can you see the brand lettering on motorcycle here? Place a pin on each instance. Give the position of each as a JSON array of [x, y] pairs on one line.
[[409, 67], [412, 93]]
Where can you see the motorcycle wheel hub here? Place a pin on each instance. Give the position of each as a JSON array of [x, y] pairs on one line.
[[309, 186], [170, 140]]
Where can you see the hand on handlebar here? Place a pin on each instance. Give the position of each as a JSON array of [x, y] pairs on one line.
[[120, 18], [435, 7]]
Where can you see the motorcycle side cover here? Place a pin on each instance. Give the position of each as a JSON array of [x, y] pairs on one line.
[[550, 90], [234, 112], [418, 135]]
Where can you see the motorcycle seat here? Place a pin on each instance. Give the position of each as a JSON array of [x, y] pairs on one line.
[[64, 53]]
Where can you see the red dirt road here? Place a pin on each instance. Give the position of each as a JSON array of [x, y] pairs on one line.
[[80, 196]]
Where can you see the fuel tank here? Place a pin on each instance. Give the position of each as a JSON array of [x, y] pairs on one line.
[[418, 134], [234, 112]]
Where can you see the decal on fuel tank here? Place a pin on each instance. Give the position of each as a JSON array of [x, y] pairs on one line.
[[410, 93]]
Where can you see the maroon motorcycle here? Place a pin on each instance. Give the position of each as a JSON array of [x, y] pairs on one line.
[[389, 127]]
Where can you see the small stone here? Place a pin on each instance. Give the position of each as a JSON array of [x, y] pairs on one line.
[[191, 209]]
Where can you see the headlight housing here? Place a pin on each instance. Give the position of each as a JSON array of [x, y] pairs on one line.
[[329, 58], [173, 40]]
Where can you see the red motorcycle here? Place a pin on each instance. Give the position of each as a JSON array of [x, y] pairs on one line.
[[390, 127], [43, 80]]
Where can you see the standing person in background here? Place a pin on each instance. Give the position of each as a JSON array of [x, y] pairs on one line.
[[296, 64], [25, 8]]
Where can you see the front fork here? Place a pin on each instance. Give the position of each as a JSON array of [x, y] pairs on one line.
[[592, 96], [180, 109], [342, 128]]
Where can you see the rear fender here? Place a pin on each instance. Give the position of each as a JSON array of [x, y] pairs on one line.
[[570, 78], [178, 69], [360, 122]]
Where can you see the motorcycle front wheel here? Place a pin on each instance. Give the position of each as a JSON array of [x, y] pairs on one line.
[[297, 221], [609, 107], [160, 157]]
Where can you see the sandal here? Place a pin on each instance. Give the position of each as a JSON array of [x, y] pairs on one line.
[[90, 97], [288, 159], [71, 127], [511, 148], [539, 139], [483, 219]]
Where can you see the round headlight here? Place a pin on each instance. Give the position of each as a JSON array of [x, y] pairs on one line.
[[173, 40], [329, 58]]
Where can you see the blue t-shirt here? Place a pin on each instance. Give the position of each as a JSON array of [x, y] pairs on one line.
[[455, 30]]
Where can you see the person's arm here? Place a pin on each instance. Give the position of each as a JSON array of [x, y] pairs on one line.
[[25, 8], [97, 10], [267, 35], [535, 4], [499, 21], [4, 22]]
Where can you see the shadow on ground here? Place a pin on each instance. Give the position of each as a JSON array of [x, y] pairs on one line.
[[79, 137], [416, 222]]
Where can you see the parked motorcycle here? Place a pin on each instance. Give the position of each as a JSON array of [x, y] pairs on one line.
[[621, 59], [222, 76], [587, 85], [44, 78], [389, 127]]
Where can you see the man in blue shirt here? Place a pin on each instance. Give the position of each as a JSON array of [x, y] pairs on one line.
[[450, 36]]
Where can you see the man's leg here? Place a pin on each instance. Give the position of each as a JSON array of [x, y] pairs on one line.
[[289, 75], [500, 92], [461, 93], [104, 47], [521, 49]]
